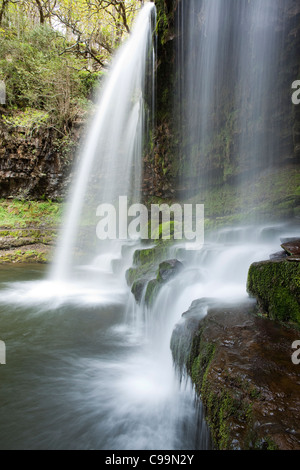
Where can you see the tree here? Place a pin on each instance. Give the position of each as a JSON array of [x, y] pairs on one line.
[[53, 51], [95, 27], [92, 29]]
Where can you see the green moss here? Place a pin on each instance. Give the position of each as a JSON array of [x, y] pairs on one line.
[[151, 291], [153, 255], [163, 19], [276, 285], [220, 405], [228, 406], [37, 235], [20, 214], [164, 231], [201, 356], [29, 118], [273, 195], [27, 256], [144, 266]]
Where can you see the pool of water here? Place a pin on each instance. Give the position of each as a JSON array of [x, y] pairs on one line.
[[79, 375]]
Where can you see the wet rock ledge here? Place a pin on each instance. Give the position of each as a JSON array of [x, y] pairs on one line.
[[27, 245], [275, 283], [241, 367]]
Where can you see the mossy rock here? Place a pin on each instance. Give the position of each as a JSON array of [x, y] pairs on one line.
[[137, 288], [27, 254], [145, 263], [26, 236], [276, 285], [168, 269], [249, 387], [134, 274], [153, 287], [153, 254]]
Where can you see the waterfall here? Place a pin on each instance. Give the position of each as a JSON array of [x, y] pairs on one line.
[[110, 161], [230, 102], [200, 48], [258, 123], [230, 94], [97, 366]]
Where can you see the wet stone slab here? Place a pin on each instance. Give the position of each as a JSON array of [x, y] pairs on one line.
[[241, 365]]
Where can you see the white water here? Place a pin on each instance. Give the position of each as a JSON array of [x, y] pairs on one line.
[[110, 161], [229, 59], [96, 368], [118, 382]]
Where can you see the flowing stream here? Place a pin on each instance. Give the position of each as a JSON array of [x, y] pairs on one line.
[[86, 366]]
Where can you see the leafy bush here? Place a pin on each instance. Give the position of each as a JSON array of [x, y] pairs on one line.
[[38, 76]]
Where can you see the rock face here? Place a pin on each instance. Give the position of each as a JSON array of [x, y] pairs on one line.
[[161, 164], [150, 272], [292, 248], [241, 367], [35, 163], [165, 172], [27, 244]]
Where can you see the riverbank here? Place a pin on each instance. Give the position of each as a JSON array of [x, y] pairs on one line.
[[28, 230]]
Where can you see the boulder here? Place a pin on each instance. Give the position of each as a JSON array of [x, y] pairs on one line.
[[279, 255], [292, 247], [137, 289], [168, 269], [276, 286]]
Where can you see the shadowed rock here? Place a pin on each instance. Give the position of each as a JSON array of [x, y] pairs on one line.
[[241, 367], [292, 248]]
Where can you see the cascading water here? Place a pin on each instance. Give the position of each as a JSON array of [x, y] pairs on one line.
[[258, 123], [96, 367], [230, 57], [110, 163], [228, 53], [103, 382], [201, 45]]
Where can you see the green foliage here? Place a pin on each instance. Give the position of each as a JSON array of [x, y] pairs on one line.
[[17, 213], [53, 54], [29, 119], [38, 77]]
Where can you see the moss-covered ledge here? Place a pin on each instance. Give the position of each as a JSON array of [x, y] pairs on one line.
[[145, 262], [276, 286], [241, 368], [151, 269]]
